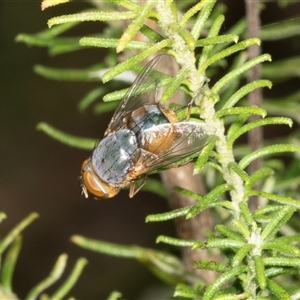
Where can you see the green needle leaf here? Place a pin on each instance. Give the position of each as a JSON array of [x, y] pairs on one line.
[[241, 254], [211, 265], [129, 63], [280, 199], [185, 291], [68, 74], [192, 11], [246, 89], [228, 51], [174, 241], [277, 290], [112, 43], [258, 175], [259, 123], [229, 233], [279, 246], [280, 218], [260, 271], [242, 110], [180, 212], [71, 280], [207, 200], [65, 138], [136, 24], [268, 150], [92, 16], [9, 238], [55, 274], [214, 287], [204, 156], [215, 40], [115, 295], [282, 262], [238, 71], [9, 263]]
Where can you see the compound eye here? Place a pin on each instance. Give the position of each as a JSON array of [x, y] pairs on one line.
[[92, 186]]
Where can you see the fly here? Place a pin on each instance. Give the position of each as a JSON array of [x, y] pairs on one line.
[[143, 135]]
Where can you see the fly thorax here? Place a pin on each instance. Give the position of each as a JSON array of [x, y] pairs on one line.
[[114, 155], [146, 117]]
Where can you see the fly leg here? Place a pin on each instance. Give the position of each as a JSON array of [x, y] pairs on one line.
[[194, 99], [136, 185]]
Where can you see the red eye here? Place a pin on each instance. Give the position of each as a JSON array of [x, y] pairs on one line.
[[94, 185]]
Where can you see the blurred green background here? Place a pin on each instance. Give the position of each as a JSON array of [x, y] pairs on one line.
[[42, 175]]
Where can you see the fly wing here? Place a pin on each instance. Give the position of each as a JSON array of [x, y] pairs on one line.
[[172, 142], [145, 90]]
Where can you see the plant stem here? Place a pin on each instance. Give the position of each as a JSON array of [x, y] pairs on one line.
[[255, 136], [215, 124], [191, 229], [194, 228]]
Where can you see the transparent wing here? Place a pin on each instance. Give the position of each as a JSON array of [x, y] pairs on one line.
[[145, 90], [171, 143]]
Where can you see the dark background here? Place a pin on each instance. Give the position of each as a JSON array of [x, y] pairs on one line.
[[39, 174]]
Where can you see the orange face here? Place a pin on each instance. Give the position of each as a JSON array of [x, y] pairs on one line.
[[93, 184]]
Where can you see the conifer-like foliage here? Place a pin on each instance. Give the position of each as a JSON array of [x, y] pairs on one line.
[[10, 246], [258, 249]]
